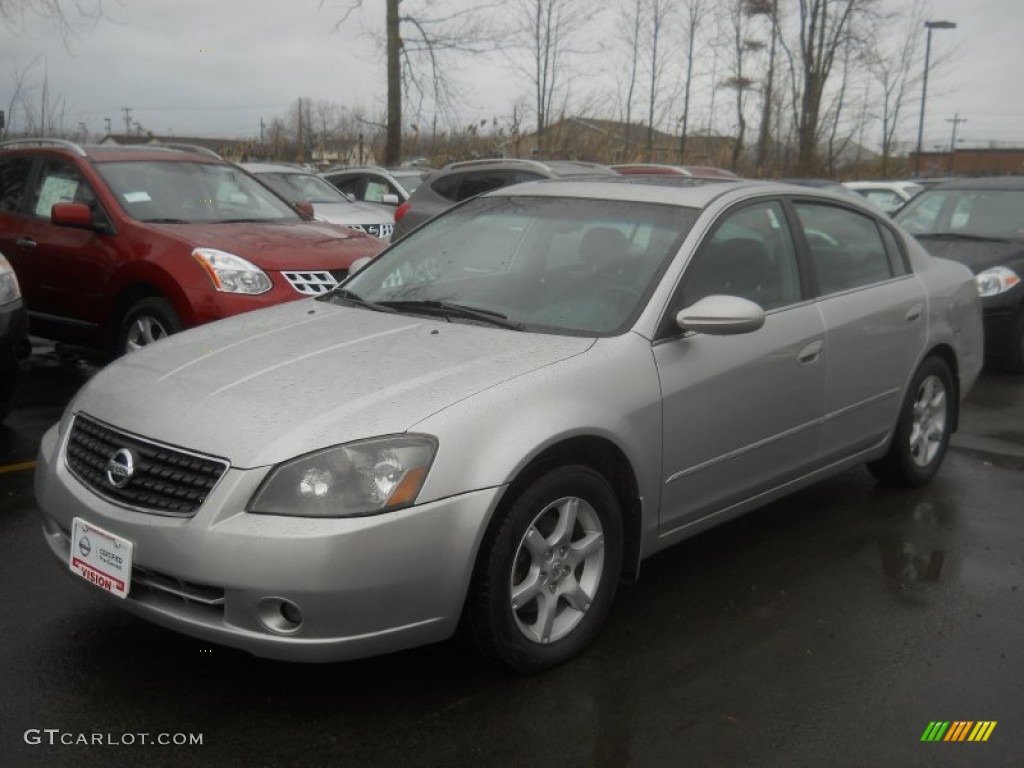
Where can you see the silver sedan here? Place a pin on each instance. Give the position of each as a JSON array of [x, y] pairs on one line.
[[493, 422]]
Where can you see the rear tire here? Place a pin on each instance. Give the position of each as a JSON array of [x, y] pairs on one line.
[[146, 322], [922, 433], [547, 571]]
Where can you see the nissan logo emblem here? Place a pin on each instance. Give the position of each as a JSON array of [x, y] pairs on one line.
[[120, 468], [84, 546]]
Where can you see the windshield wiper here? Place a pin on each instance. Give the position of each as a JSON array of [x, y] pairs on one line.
[[962, 236], [166, 221], [448, 310], [343, 295]]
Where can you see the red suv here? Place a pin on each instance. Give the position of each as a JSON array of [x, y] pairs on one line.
[[115, 247]]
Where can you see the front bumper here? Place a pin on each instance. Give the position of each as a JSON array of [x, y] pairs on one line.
[[364, 586]]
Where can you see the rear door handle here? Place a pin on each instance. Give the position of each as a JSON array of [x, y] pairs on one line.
[[914, 313], [26, 242], [810, 353]]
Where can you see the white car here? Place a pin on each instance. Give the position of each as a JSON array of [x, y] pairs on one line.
[[297, 186], [887, 195]]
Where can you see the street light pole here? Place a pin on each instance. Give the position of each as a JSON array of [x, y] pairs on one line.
[[930, 25]]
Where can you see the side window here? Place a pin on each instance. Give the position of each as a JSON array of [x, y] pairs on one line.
[[13, 177], [897, 258], [478, 182], [375, 191], [447, 186], [60, 182], [846, 247], [750, 254]]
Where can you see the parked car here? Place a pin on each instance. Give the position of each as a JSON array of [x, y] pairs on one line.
[[460, 181], [300, 186], [14, 344], [372, 184], [980, 223], [887, 195], [503, 414], [825, 185], [116, 247], [698, 171]]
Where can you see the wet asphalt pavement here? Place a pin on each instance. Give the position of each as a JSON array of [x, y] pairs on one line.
[[829, 629]]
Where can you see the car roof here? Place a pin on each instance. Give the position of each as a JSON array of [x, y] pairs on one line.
[[685, 191], [274, 168], [989, 182], [109, 153]]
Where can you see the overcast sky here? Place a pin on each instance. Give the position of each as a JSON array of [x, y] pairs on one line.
[[215, 67]]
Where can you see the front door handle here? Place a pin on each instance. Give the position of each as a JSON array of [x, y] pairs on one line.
[[810, 353], [26, 242]]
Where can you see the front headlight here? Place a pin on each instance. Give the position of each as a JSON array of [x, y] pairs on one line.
[[232, 274], [9, 290], [994, 281], [361, 478]]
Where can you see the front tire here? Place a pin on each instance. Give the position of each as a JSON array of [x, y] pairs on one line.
[[1013, 360], [547, 571], [146, 322], [923, 430]]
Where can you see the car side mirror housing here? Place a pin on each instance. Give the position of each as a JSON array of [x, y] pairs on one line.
[[721, 316], [358, 264], [305, 209], [389, 199], [77, 215]]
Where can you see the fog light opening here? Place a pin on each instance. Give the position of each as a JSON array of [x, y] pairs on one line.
[[280, 615]]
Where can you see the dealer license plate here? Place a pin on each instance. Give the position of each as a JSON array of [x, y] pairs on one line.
[[101, 558]]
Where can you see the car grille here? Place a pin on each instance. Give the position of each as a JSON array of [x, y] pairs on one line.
[[164, 480], [312, 283]]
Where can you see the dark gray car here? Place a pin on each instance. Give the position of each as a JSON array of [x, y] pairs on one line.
[[461, 181], [980, 223]]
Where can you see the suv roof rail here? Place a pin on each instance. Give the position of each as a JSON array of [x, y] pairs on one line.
[[63, 143], [188, 148], [496, 160]]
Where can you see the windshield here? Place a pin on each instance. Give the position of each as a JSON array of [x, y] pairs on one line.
[[989, 213], [183, 192], [556, 265], [297, 187], [410, 181]]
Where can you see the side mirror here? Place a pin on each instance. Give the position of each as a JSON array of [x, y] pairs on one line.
[[358, 264], [389, 199], [721, 316], [305, 209], [77, 215]]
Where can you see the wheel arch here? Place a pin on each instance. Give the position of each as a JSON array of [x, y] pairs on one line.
[[946, 353], [608, 459]]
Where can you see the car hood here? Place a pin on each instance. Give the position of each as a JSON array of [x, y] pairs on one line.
[[280, 245], [269, 385], [348, 214], [976, 255]]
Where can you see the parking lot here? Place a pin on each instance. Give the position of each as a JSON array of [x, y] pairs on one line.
[[831, 627]]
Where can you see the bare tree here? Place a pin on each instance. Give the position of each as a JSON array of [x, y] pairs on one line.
[[421, 41], [739, 81], [694, 14], [546, 29], [893, 62], [632, 21], [659, 18], [823, 26], [769, 9], [69, 16]]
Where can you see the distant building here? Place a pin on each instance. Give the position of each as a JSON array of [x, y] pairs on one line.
[[611, 141], [971, 162]]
